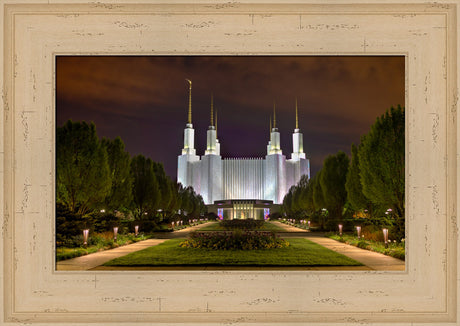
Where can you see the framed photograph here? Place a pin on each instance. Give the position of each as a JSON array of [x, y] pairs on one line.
[[35, 33]]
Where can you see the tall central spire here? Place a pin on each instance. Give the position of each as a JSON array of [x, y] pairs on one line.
[[274, 115], [189, 102], [212, 109], [296, 116], [216, 123], [271, 123]]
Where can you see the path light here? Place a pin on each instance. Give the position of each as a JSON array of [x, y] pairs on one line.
[[136, 230], [85, 236], [102, 210], [358, 229], [308, 224], [340, 229], [172, 225], [385, 237], [115, 231]]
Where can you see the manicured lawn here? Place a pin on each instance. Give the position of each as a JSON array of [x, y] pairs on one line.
[[301, 252], [266, 227]]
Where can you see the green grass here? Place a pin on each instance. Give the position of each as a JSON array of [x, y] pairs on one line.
[[63, 253], [266, 227], [301, 252], [396, 250]]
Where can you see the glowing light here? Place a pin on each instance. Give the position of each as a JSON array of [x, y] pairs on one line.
[[358, 230], [136, 229], [340, 229], [220, 213], [85, 236], [266, 213], [115, 232], [385, 236], [308, 224]]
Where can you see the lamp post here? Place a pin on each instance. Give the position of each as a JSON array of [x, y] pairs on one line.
[[136, 230], [115, 231], [85, 237], [340, 229], [308, 224], [358, 230], [385, 237]]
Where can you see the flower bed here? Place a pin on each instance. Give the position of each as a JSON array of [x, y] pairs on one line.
[[236, 240], [394, 249]]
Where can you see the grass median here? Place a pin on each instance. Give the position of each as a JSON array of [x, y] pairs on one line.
[[267, 226], [301, 252]]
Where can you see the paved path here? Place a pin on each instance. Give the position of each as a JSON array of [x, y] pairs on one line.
[[98, 258], [373, 260]]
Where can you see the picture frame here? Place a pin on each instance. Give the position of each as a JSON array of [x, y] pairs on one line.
[[36, 31]]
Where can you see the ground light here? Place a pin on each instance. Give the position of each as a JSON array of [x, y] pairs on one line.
[[358, 230], [115, 231], [85, 236], [136, 230], [340, 229], [385, 237]]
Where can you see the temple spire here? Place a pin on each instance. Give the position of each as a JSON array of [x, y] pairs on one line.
[[189, 102], [274, 115], [296, 115], [271, 123], [212, 109], [216, 123]]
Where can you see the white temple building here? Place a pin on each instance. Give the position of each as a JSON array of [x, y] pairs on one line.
[[239, 187]]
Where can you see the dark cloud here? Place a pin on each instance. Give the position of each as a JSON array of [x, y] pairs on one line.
[[144, 100]]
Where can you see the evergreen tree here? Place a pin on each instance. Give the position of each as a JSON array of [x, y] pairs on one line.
[[146, 191], [353, 184], [332, 180], [120, 195], [381, 161], [82, 169], [318, 198]]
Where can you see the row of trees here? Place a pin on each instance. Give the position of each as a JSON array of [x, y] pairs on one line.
[[370, 185], [95, 175]]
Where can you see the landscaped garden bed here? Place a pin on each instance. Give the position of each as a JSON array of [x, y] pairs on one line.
[[394, 249], [97, 242], [234, 240]]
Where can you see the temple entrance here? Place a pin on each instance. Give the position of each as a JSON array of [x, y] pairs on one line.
[[242, 209]]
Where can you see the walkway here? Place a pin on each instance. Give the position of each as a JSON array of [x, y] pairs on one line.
[[373, 260], [91, 261]]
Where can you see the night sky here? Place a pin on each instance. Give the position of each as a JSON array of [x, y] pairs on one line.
[[144, 100]]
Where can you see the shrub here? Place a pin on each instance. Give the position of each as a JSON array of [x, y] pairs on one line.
[[235, 240]]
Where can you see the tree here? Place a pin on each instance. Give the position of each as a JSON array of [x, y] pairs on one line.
[[381, 161], [318, 198], [120, 195], [332, 180], [82, 170], [163, 184], [146, 191], [353, 184]]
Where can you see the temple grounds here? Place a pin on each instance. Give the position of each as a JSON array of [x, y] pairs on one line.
[[306, 251]]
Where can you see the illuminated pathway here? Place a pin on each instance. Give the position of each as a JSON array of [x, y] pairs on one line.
[[373, 260], [90, 261]]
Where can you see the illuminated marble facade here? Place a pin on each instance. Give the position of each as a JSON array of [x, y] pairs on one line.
[[216, 178]]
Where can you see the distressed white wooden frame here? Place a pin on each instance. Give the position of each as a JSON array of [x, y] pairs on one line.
[[35, 31]]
